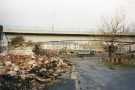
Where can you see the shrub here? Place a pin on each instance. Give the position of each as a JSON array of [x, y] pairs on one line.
[[38, 50], [17, 41]]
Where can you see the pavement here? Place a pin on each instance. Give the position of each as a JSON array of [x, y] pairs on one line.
[[93, 75], [68, 81], [64, 84]]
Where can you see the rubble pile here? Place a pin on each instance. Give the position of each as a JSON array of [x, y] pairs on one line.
[[34, 68]]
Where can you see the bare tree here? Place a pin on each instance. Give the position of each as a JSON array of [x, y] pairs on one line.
[[111, 28]]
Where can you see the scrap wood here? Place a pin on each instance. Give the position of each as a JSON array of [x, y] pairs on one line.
[[37, 67]]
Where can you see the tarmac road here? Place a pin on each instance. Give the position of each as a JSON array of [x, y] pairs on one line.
[[95, 76]]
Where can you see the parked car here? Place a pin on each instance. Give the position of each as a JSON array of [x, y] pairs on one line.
[[84, 52]]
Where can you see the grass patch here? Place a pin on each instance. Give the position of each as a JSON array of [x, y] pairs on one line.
[[119, 66]]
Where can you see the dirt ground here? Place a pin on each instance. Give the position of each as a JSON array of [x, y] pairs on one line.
[[93, 75]]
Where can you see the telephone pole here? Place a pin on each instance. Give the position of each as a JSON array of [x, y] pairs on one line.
[[52, 27], [1, 38]]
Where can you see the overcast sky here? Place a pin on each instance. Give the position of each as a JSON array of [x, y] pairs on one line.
[[64, 13]]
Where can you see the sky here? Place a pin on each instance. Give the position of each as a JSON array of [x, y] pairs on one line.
[[62, 13]]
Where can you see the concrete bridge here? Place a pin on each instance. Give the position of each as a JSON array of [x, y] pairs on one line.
[[42, 35]]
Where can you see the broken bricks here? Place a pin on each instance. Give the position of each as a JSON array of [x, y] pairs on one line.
[[41, 68]]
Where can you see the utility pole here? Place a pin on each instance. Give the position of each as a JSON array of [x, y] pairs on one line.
[[1, 37], [52, 27]]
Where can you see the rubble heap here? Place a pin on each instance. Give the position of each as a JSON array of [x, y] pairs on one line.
[[34, 68]]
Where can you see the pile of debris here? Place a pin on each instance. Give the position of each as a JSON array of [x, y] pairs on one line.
[[33, 68]]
